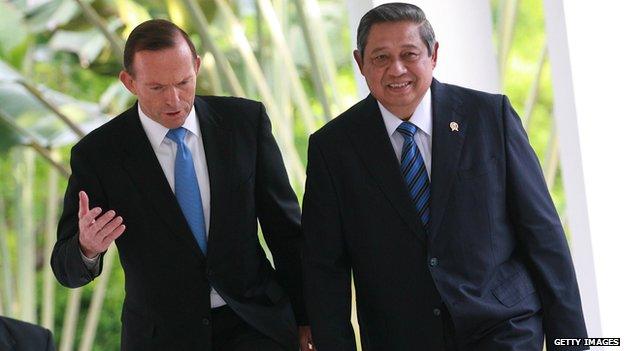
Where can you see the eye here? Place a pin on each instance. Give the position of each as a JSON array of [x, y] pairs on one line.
[[156, 88], [183, 83], [410, 56], [380, 60]]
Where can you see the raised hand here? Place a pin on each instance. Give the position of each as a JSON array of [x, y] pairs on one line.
[[97, 231]]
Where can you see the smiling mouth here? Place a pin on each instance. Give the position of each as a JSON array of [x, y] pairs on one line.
[[399, 85]]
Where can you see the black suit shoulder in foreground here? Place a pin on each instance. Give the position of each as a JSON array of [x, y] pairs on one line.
[[21, 336]]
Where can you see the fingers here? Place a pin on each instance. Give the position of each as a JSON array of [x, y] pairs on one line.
[[97, 233], [102, 221], [109, 227], [305, 339], [89, 217], [83, 201], [86, 215], [114, 235], [306, 345]]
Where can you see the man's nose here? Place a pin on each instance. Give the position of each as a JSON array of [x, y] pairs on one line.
[[172, 96], [397, 67]]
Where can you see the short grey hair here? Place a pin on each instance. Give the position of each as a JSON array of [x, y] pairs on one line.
[[395, 12]]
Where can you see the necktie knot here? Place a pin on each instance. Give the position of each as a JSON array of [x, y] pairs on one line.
[[407, 129], [177, 135]]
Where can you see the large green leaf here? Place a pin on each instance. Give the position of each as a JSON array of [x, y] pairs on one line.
[[13, 32], [86, 44], [30, 115], [48, 16]]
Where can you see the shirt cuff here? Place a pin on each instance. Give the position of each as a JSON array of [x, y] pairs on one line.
[[91, 263]]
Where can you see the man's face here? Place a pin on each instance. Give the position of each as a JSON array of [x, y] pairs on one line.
[[397, 66], [164, 83]]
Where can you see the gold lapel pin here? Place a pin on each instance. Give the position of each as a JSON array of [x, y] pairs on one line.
[[454, 126]]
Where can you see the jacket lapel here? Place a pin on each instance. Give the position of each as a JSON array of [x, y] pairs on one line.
[[142, 165], [447, 146], [217, 140], [370, 137]]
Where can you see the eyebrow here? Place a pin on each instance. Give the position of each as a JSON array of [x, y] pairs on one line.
[[406, 46], [158, 84]]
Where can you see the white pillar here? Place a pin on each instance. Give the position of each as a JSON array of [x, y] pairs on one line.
[[586, 60], [464, 30]]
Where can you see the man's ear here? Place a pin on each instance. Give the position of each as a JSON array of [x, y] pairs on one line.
[[197, 63], [359, 59], [434, 54], [126, 78]]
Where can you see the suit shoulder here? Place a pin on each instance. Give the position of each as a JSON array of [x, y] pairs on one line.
[[336, 127], [476, 96], [24, 329], [234, 110], [101, 135], [231, 103], [487, 110]]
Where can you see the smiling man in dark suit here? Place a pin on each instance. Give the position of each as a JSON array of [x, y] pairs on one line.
[[431, 195], [179, 182]]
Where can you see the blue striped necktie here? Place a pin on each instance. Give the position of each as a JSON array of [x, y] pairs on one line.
[[187, 188], [415, 172]]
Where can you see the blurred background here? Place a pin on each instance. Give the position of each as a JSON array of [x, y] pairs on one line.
[[59, 61]]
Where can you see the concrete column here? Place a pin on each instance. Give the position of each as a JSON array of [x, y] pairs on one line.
[[586, 60]]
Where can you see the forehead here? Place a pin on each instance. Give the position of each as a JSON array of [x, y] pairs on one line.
[[387, 35], [173, 63]]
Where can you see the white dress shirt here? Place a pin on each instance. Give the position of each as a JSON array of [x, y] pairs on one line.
[[422, 118], [166, 150]]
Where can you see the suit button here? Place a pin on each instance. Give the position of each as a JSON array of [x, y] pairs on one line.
[[433, 262], [436, 312], [205, 321]]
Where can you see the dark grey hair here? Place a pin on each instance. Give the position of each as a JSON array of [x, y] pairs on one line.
[[395, 12], [153, 35]]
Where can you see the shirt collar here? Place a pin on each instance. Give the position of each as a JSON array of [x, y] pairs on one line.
[[156, 132], [421, 117]]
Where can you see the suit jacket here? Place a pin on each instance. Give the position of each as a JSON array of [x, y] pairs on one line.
[[495, 254], [21, 336], [167, 278]]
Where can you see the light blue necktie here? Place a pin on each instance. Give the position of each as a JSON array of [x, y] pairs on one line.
[[187, 188], [415, 172]]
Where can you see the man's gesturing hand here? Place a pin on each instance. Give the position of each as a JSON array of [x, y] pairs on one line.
[[96, 233]]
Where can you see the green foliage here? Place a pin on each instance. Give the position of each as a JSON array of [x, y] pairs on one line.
[[64, 73], [519, 73], [8, 138], [13, 31]]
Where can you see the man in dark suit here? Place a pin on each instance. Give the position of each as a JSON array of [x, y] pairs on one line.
[[432, 196], [21, 336], [179, 182]]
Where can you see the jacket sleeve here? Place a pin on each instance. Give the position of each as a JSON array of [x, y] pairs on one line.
[[279, 215], [541, 235], [326, 266], [66, 261]]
